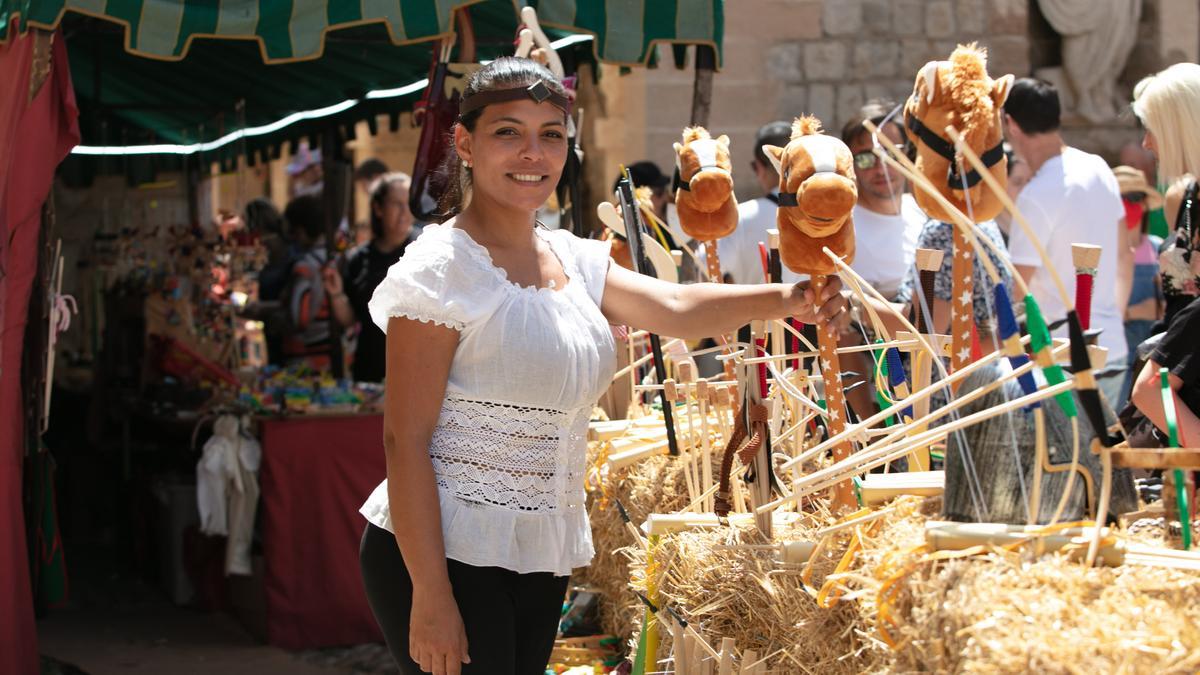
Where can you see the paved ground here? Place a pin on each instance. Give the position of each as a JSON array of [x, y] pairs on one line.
[[160, 638], [117, 623]]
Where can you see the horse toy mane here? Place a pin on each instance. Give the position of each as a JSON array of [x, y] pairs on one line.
[[958, 93], [816, 195], [704, 196]]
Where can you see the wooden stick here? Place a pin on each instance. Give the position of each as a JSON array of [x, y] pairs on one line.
[[713, 262], [696, 459], [835, 400], [720, 403], [897, 431], [1039, 448], [669, 398], [679, 638], [868, 459], [1075, 469], [962, 301], [928, 261], [883, 414], [642, 360], [705, 444], [749, 661], [884, 453], [958, 536], [752, 383], [1105, 495], [726, 657], [880, 487], [946, 381]]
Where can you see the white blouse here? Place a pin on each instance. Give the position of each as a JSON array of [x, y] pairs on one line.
[[509, 449]]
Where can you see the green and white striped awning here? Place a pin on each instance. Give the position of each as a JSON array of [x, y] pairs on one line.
[[296, 30], [224, 78]]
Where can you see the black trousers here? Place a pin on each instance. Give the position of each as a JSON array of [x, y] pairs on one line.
[[511, 619]]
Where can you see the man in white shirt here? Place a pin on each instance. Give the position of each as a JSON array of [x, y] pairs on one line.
[[739, 253], [887, 220], [1072, 198]]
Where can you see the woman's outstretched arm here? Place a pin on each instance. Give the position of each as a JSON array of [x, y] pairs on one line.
[[705, 310]]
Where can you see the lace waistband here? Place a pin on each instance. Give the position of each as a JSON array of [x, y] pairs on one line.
[[510, 456]]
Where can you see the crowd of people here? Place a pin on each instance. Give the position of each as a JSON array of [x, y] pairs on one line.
[[308, 299], [1066, 195], [1138, 212]]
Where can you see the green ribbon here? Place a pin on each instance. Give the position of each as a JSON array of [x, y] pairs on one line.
[[1039, 340], [639, 659], [881, 365], [1185, 516]]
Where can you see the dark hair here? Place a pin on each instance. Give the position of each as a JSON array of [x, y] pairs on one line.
[[777, 133], [262, 216], [506, 72], [875, 111], [379, 193], [1033, 105], [645, 174], [370, 168], [306, 213]]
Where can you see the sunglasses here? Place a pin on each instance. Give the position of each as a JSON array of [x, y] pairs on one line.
[[866, 159]]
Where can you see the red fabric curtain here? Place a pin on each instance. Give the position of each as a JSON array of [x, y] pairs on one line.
[[35, 135]]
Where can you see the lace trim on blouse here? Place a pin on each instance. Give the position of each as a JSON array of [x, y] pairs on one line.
[[509, 455]]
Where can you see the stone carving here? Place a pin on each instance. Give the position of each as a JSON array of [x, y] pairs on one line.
[[1097, 38]]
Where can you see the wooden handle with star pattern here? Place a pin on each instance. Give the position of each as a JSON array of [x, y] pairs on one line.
[[835, 401], [962, 312]]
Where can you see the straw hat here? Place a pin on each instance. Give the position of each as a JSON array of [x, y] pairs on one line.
[[1133, 181]]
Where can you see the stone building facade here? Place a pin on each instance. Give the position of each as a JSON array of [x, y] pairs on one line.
[[827, 57]]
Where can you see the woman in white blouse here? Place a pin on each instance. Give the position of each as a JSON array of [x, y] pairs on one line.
[[498, 345]]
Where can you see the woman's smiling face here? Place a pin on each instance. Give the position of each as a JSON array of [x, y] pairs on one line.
[[517, 152]]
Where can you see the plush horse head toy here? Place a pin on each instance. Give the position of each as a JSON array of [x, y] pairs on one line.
[[704, 185], [816, 194], [958, 93]]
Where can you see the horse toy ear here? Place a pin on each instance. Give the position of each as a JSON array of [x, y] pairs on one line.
[[723, 141], [1000, 88], [775, 154], [930, 73], [677, 147]]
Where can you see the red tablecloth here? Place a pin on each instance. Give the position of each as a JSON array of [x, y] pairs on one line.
[[315, 474]]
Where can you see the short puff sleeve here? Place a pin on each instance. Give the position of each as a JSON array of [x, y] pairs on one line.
[[592, 257], [432, 283]]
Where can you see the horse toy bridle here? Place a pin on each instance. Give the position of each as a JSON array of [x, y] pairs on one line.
[[945, 149]]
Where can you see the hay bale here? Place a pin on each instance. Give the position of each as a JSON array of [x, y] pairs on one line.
[[1013, 613], [653, 485], [763, 604]]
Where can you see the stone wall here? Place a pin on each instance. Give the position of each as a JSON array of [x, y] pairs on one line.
[[786, 57]]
